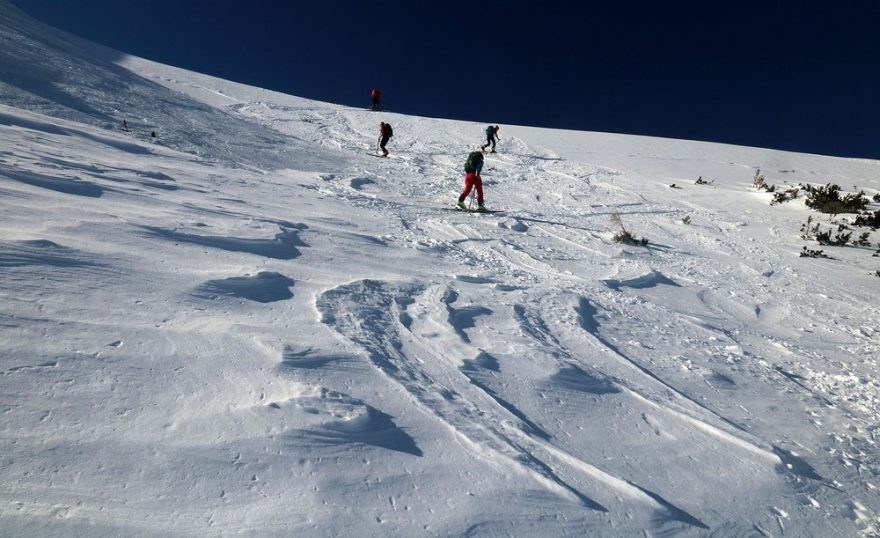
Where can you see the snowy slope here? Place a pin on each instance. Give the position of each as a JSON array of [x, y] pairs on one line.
[[253, 326]]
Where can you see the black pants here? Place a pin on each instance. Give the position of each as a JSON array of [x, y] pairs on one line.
[[383, 142], [490, 141], [375, 103]]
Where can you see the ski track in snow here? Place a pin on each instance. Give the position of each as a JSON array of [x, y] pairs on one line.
[[253, 327]]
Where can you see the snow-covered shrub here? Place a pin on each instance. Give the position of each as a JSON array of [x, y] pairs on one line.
[[625, 236], [840, 239], [862, 241], [629, 239], [809, 230], [811, 253], [758, 181], [814, 232], [871, 220], [828, 199], [784, 196]]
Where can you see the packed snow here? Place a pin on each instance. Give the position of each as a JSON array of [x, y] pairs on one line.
[[254, 326]]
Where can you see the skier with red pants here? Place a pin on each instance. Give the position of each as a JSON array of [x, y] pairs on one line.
[[472, 179]]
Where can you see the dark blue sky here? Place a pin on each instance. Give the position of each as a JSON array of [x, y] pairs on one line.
[[796, 75]]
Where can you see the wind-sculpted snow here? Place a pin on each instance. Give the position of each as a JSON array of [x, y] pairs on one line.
[[365, 313], [478, 371], [252, 326], [646, 281], [573, 378], [45, 126], [61, 185], [793, 463], [46, 70], [359, 183], [463, 318], [41, 252], [357, 424], [588, 319], [37, 269], [264, 287], [310, 359], [283, 246]]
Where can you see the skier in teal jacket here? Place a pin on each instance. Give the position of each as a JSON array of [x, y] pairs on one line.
[[491, 137]]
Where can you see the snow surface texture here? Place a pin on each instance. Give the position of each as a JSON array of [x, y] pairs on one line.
[[252, 326]]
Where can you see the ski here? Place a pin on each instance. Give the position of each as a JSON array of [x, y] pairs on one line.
[[456, 208]]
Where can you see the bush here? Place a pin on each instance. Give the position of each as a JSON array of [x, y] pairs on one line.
[[625, 236], [840, 239], [871, 220], [814, 232], [827, 199], [784, 196], [808, 230], [810, 253], [629, 239], [758, 181], [823, 237]]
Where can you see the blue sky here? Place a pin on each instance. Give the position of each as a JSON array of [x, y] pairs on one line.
[[799, 76]]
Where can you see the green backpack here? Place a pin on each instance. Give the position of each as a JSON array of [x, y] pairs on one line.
[[473, 160]]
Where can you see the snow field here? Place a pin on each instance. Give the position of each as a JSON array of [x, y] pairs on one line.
[[254, 327]]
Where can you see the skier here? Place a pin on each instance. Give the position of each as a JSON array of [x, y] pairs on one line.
[[472, 167], [125, 126], [491, 137], [375, 94], [153, 136], [385, 133]]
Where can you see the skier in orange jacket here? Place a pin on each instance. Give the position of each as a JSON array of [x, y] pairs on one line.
[[375, 94]]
